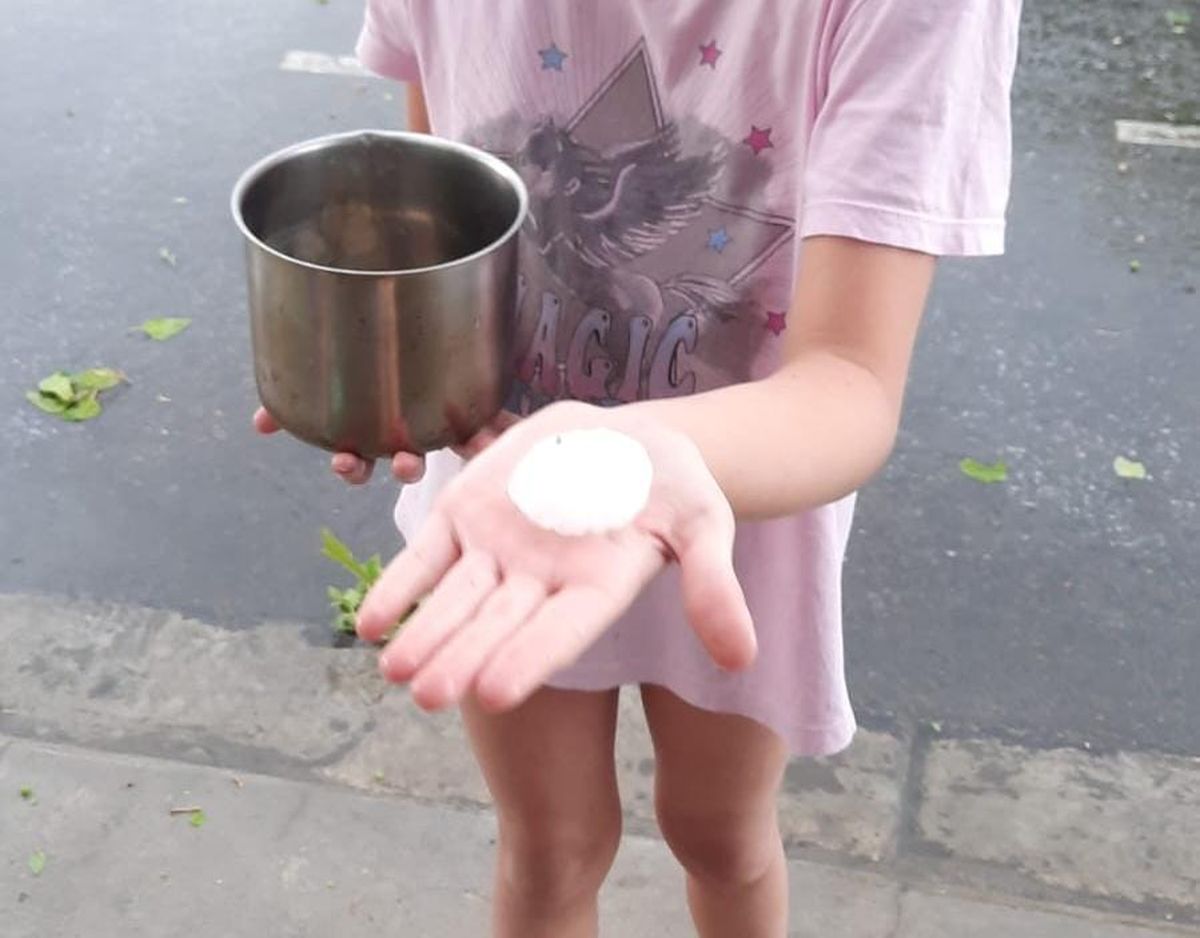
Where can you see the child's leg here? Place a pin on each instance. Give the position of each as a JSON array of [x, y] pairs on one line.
[[716, 784], [549, 766]]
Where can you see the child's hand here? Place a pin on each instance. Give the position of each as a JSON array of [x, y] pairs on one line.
[[406, 467], [506, 603]]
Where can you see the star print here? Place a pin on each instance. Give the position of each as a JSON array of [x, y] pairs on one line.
[[552, 58], [719, 240], [776, 322], [759, 139], [709, 54]]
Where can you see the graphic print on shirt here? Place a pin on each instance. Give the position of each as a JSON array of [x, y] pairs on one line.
[[638, 256]]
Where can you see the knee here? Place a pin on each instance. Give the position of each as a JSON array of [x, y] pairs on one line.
[[726, 849], [556, 864]]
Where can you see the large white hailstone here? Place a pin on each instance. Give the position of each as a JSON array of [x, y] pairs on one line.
[[583, 482]]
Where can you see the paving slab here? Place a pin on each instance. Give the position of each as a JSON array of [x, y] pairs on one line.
[[924, 915], [1118, 826], [286, 858]]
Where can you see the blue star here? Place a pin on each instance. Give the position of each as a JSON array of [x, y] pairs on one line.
[[719, 240], [552, 58]]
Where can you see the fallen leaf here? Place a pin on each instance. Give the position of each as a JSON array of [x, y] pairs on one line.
[[86, 408], [58, 385], [166, 327], [987, 473], [76, 397], [27, 793], [165, 255], [1135, 266], [37, 863], [197, 819], [98, 379], [1179, 21], [181, 200], [1129, 469], [46, 402]]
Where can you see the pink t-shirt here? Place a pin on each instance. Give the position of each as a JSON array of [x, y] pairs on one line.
[[677, 152]]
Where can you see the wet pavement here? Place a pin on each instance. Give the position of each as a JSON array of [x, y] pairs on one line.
[[1058, 607]]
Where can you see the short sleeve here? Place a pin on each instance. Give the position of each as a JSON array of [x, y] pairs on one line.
[[912, 141], [385, 45]]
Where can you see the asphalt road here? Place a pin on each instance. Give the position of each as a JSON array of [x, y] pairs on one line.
[[1059, 607]]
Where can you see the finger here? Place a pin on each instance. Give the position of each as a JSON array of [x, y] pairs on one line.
[[264, 423], [712, 596], [449, 673], [487, 436], [560, 631], [349, 468], [412, 573], [458, 596], [408, 467], [504, 420]]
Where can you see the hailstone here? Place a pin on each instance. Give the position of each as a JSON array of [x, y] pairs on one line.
[[583, 482]]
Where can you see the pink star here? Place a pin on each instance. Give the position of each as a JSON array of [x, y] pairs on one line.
[[709, 54], [776, 322], [759, 139]]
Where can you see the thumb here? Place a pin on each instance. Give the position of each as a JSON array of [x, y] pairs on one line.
[[712, 596]]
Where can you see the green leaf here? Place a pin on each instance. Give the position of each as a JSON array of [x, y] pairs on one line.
[[163, 328], [197, 819], [988, 474], [340, 554], [1179, 20], [1129, 469], [167, 257], [346, 623], [58, 385], [37, 863], [86, 408], [46, 402], [26, 793], [374, 569], [98, 379], [1135, 265]]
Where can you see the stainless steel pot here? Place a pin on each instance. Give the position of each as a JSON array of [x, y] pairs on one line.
[[382, 280]]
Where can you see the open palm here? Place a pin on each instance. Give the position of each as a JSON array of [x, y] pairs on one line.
[[506, 603]]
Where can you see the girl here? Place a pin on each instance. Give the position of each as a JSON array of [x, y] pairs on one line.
[[735, 213]]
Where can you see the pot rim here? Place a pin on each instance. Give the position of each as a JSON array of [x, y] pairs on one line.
[[255, 172]]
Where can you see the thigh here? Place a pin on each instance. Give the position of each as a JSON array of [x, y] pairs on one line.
[[712, 769], [550, 761]]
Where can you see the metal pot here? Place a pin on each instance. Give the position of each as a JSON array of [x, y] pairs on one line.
[[383, 288]]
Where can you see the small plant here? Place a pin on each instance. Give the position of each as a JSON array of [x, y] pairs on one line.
[[346, 602]]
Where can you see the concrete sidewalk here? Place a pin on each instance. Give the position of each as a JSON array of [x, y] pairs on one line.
[[355, 812], [285, 858]]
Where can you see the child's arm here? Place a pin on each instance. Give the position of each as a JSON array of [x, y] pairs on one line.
[[521, 602], [826, 421]]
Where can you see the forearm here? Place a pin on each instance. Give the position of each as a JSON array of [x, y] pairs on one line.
[[815, 431]]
